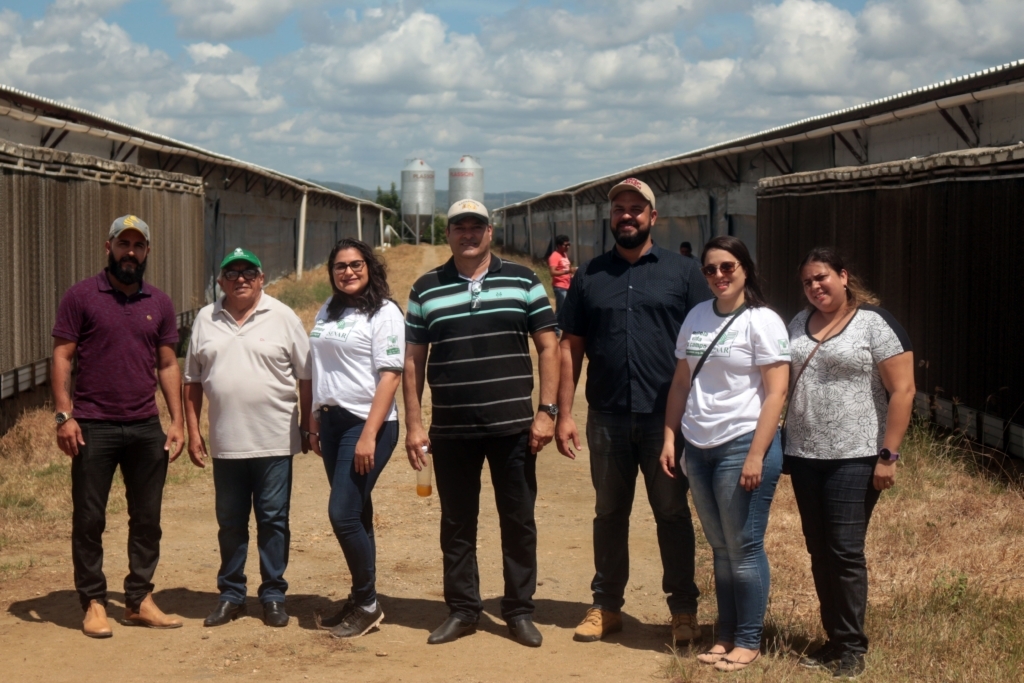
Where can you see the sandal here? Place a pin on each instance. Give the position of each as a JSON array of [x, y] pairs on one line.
[[729, 665], [710, 657]]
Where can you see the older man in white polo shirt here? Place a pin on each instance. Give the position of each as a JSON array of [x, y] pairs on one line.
[[247, 352]]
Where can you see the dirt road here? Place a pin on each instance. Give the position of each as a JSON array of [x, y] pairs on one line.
[[40, 618]]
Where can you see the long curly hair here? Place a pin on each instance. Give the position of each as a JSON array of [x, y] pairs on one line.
[[377, 291], [856, 293]]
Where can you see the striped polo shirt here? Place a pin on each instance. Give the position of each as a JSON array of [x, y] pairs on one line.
[[479, 368]]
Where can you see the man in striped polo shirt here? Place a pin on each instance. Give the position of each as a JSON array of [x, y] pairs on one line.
[[476, 312]]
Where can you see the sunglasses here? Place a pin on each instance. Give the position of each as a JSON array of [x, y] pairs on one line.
[[356, 266], [475, 287], [727, 268], [248, 274]]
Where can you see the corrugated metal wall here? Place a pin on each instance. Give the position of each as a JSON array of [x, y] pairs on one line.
[[55, 212], [945, 259]]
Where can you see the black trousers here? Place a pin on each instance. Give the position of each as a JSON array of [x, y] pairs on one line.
[[457, 466], [138, 448], [836, 499]]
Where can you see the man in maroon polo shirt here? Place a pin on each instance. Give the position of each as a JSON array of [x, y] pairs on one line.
[[121, 331]]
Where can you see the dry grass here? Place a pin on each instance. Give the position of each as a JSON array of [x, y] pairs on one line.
[[35, 484], [946, 579]]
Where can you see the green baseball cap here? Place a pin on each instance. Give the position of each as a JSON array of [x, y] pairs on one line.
[[240, 254]]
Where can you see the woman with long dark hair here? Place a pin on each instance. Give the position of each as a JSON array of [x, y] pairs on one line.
[[849, 409], [726, 396], [358, 351]]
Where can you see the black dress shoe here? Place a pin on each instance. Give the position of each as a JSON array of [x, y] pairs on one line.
[[274, 614], [452, 629], [524, 630], [224, 612]]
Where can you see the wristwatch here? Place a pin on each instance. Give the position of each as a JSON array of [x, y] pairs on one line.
[[549, 408], [62, 418], [888, 456]]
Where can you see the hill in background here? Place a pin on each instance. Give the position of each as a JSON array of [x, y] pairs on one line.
[[492, 200]]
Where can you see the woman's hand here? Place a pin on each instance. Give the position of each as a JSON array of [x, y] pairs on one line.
[[314, 443], [885, 475], [668, 459], [365, 447], [750, 478]]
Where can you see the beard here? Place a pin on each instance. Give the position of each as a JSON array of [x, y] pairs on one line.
[[126, 277], [631, 241]]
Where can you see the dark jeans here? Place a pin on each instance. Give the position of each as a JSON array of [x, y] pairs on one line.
[[620, 445], [560, 295], [457, 467], [734, 522], [350, 506], [265, 486], [138, 448], [836, 498]]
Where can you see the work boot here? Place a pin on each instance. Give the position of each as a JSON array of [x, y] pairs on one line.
[[597, 624], [95, 624], [149, 615], [685, 627]]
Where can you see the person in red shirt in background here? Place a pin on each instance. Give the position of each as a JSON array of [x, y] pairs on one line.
[[561, 271]]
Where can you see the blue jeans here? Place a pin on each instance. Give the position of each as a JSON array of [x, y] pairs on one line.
[[350, 506], [263, 485], [734, 522], [620, 446], [560, 296]]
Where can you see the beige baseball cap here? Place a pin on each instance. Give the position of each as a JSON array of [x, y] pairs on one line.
[[467, 208], [632, 185], [128, 222]]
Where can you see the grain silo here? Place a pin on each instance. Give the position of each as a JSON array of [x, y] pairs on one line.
[[418, 196], [466, 180]]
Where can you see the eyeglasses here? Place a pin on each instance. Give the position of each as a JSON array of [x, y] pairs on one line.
[[356, 266], [475, 287], [727, 268], [248, 274]]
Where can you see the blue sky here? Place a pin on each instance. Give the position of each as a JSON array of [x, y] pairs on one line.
[[545, 93]]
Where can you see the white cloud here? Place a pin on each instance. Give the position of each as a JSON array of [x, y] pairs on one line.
[[545, 94], [201, 52], [229, 19]]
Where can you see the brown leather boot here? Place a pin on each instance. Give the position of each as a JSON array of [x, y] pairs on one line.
[[95, 624], [149, 615]]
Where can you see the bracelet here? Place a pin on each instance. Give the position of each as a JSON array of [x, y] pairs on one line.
[[307, 434]]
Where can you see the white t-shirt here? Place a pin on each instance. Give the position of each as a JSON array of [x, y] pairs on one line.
[[248, 375], [350, 353], [728, 393]]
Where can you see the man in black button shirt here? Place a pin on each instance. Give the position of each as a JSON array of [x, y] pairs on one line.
[[624, 310]]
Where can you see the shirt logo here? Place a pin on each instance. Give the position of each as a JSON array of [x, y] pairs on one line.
[[698, 343]]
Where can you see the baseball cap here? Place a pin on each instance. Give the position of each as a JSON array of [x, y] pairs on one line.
[[632, 185], [240, 254], [466, 208], [128, 222]]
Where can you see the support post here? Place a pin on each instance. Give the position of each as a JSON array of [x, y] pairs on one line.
[[359, 221], [417, 224], [302, 237], [529, 229], [380, 219], [575, 228]]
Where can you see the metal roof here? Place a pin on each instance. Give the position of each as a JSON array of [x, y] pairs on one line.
[[84, 121], [861, 113]]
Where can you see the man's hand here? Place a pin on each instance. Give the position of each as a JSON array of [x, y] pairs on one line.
[[566, 436], [175, 441], [541, 431], [69, 437], [197, 450], [415, 440]]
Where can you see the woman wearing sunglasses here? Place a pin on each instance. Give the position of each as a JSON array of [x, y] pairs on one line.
[[842, 438], [358, 351], [727, 395]]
